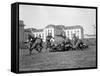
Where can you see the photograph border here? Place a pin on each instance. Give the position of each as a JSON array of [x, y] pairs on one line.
[[15, 36]]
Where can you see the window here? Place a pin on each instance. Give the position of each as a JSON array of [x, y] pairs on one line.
[[51, 31], [46, 32], [78, 32], [71, 34], [68, 33], [42, 36]]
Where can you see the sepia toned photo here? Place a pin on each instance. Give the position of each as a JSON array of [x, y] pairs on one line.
[[56, 38]]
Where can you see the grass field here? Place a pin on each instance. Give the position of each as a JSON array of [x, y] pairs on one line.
[[57, 60]]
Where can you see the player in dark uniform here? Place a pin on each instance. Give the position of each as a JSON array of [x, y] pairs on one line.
[[38, 45], [66, 43], [48, 42], [31, 41], [76, 42]]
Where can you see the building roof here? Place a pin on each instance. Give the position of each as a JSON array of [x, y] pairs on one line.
[[60, 27], [63, 27], [50, 25], [38, 30], [73, 27], [28, 30], [33, 30], [55, 26]]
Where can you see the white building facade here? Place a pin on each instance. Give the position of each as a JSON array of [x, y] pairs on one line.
[[69, 31], [47, 31], [44, 33], [77, 30]]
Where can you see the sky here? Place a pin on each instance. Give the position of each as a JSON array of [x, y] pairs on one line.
[[40, 16]]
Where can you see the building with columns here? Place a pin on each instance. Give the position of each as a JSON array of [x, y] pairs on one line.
[[57, 30], [77, 30]]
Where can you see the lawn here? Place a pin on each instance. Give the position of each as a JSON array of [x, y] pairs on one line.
[[57, 60]]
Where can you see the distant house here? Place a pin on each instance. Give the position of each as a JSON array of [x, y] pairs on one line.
[[38, 33], [44, 32], [55, 30], [77, 30]]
